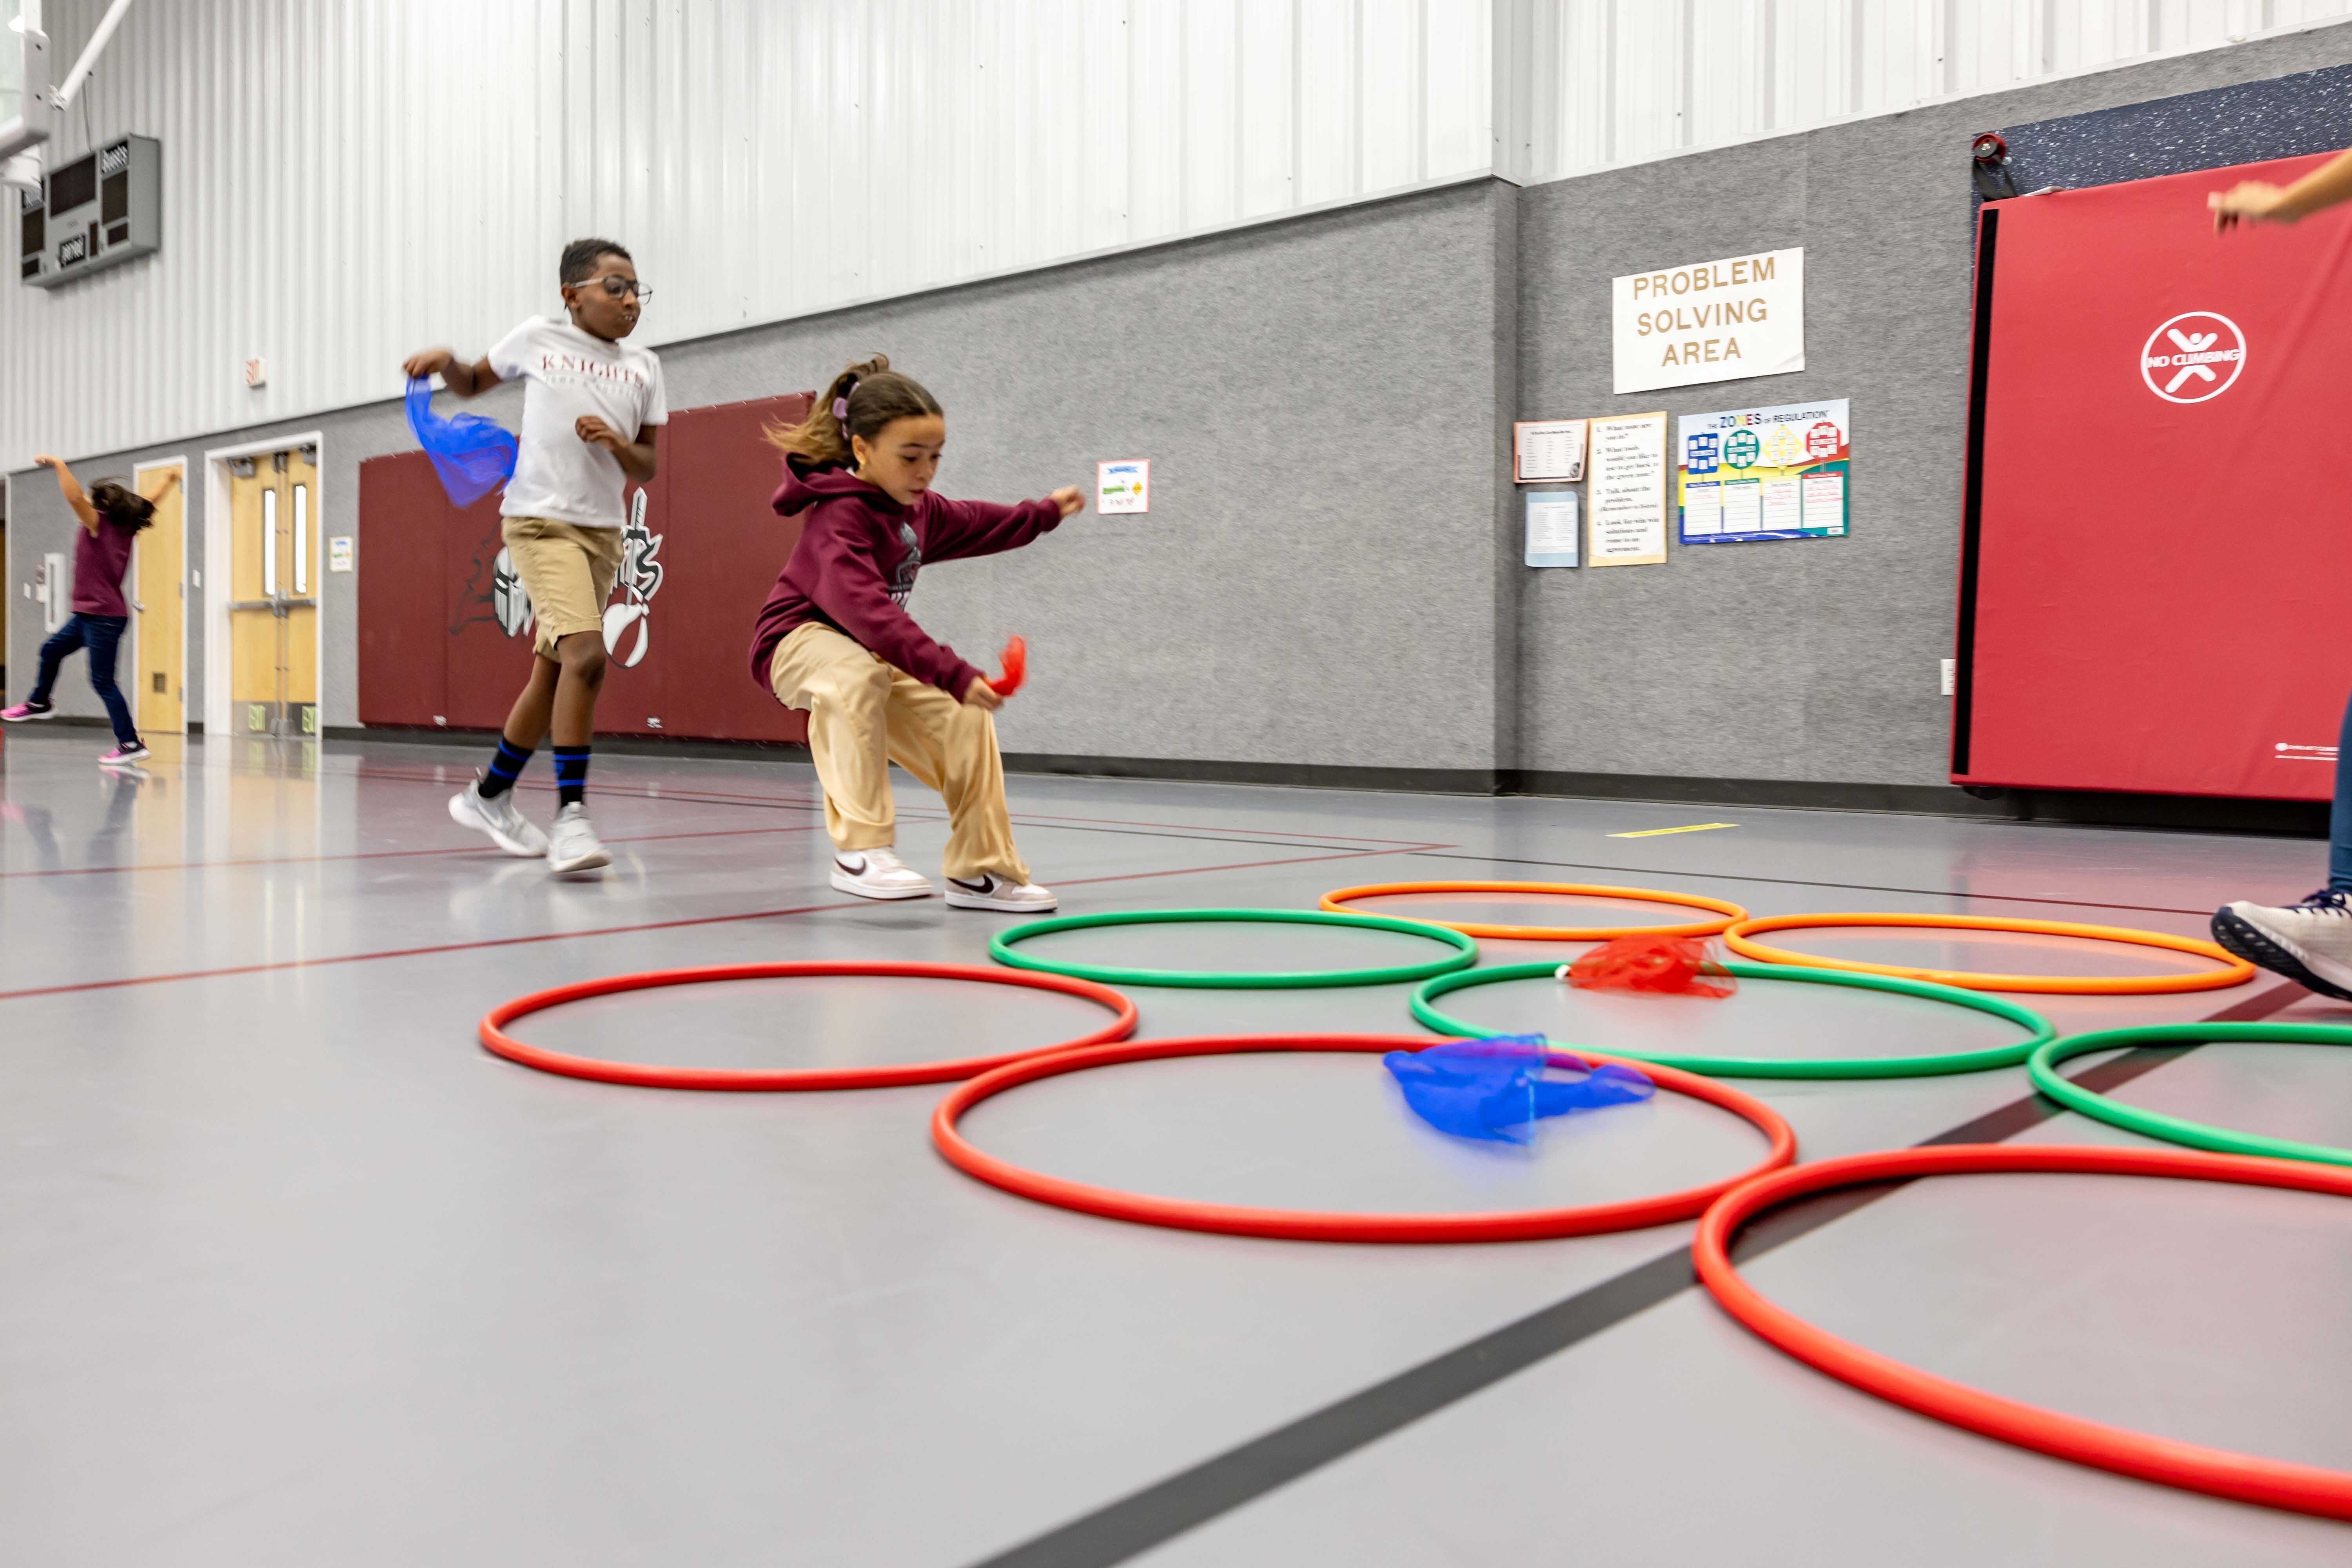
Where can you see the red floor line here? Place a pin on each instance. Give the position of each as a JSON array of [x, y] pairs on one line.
[[716, 797], [387, 854], [703, 797], [409, 951], [606, 930]]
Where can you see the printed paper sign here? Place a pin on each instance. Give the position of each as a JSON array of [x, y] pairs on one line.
[[1547, 451], [1711, 320], [1629, 490], [339, 554], [1763, 473], [1122, 487], [1551, 527]]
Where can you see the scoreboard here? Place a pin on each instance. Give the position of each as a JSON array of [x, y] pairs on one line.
[[99, 211]]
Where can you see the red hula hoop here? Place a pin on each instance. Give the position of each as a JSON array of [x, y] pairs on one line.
[[1307, 1225], [496, 1040], [2242, 1477]]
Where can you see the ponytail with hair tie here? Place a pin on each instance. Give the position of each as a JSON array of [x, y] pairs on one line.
[[860, 401]]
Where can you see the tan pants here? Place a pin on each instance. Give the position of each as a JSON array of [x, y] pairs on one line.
[[863, 715], [568, 572]]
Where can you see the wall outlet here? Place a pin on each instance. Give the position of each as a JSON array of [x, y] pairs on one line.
[[1951, 676]]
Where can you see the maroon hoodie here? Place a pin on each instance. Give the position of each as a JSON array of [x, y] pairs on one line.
[[856, 560]]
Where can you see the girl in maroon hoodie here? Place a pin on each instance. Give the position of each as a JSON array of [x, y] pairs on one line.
[[835, 638]]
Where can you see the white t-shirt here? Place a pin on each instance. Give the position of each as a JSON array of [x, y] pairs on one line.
[[557, 475]]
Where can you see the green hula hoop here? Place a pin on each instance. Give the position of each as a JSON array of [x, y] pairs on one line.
[[1774, 1067], [2043, 1067], [1465, 953]]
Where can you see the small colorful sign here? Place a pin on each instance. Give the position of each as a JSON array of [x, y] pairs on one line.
[[1755, 474], [1123, 487]]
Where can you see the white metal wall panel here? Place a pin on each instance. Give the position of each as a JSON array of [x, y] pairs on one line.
[[348, 181], [1620, 81]]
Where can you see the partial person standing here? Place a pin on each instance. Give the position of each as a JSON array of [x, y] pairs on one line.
[[110, 515], [589, 413], [2309, 942]]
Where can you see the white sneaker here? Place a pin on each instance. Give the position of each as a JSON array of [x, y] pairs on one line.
[[573, 845], [991, 891], [876, 874], [499, 817], [2309, 942]]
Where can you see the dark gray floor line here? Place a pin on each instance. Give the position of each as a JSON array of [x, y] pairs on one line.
[[1806, 882], [1159, 1513]]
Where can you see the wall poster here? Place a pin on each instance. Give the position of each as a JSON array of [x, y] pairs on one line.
[[1551, 527], [1764, 473], [1629, 491]]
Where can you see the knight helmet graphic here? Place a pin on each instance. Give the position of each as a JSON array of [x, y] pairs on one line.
[[508, 600], [640, 579]]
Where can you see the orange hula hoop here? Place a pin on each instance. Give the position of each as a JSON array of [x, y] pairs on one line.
[[1727, 914], [2235, 971], [2244, 1478]]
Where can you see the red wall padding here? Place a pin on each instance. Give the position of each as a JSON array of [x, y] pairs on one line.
[[2157, 582], [431, 648]]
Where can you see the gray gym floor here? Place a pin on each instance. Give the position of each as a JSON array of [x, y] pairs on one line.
[[291, 1271]]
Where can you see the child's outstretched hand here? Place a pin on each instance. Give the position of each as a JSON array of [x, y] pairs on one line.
[[980, 694], [2253, 201], [1068, 498]]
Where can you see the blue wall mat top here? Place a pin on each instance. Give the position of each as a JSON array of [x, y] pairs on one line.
[[2283, 117]]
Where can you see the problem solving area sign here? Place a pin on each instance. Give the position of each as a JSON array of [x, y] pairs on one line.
[[1711, 320]]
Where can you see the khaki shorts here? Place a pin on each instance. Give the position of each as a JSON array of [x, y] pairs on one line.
[[568, 572]]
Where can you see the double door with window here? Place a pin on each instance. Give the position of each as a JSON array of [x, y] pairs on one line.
[[274, 585]]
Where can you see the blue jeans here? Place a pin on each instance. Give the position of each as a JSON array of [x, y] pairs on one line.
[[98, 634]]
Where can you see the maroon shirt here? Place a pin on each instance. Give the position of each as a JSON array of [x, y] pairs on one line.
[[855, 564], [99, 560]]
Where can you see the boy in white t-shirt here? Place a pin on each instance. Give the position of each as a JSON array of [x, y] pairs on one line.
[[588, 417]]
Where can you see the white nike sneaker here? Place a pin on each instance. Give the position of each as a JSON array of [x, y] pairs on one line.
[[498, 816], [991, 891], [876, 874], [2309, 942], [573, 845]]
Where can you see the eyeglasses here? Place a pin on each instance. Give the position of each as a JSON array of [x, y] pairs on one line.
[[617, 285]]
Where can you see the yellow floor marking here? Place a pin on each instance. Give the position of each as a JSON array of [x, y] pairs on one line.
[[1694, 827]]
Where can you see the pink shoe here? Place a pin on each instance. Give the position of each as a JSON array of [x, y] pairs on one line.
[[124, 753], [23, 710]]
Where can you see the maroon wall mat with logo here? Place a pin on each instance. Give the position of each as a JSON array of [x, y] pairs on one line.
[[2159, 529], [442, 641]]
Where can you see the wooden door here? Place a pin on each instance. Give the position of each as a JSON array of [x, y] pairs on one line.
[[159, 604], [273, 593]]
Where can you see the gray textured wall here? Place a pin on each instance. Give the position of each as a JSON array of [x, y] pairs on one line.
[[1320, 399], [1330, 576], [1810, 659]]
